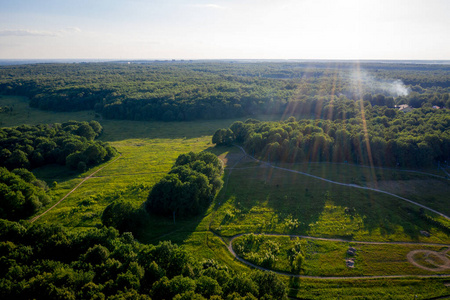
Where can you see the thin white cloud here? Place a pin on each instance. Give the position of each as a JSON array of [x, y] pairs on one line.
[[26, 32], [214, 6], [71, 30], [39, 33]]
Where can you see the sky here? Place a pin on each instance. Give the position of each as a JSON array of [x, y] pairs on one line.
[[225, 29]]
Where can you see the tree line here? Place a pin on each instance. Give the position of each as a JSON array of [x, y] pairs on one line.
[[51, 262], [70, 143], [211, 90], [375, 136]]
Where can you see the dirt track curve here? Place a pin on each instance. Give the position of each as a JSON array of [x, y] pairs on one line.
[[229, 245], [442, 256], [344, 184], [74, 189]]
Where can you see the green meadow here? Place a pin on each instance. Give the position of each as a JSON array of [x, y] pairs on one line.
[[428, 187], [328, 258], [261, 199], [148, 150], [256, 198]]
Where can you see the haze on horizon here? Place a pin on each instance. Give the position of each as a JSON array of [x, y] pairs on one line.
[[225, 29]]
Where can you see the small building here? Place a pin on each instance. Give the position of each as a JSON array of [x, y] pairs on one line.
[[404, 108]]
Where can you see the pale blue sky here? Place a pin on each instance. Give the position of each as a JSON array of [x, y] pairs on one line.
[[214, 29]]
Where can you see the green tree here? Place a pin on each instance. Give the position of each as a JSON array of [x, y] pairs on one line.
[[188, 188], [94, 154], [123, 216], [96, 255], [18, 159], [208, 287]]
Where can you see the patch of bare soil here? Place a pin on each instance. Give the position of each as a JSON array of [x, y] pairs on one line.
[[230, 159], [430, 260]]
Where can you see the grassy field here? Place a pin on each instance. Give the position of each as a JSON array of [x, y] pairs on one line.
[[144, 162], [253, 199], [261, 199], [424, 188], [327, 258], [410, 288], [148, 151]]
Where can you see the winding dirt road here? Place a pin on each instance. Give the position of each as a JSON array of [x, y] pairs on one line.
[[344, 184], [74, 189], [229, 245]]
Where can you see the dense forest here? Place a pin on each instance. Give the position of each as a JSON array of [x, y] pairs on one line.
[[372, 136], [50, 262], [21, 194], [184, 91], [70, 143]]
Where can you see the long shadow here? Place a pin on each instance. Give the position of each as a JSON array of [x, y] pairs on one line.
[[117, 130], [303, 198], [261, 194], [163, 228], [55, 172]]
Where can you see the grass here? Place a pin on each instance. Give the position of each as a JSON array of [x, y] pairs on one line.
[[391, 288], [144, 162], [423, 188], [148, 150], [24, 114], [327, 258], [263, 199], [429, 260]]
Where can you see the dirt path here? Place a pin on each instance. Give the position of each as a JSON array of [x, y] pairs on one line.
[[339, 240], [445, 172], [444, 266], [233, 253], [345, 184], [232, 168], [74, 189], [230, 248]]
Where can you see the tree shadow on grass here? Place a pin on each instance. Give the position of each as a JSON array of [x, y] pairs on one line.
[[55, 172], [259, 199], [117, 130], [264, 199], [162, 228]]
